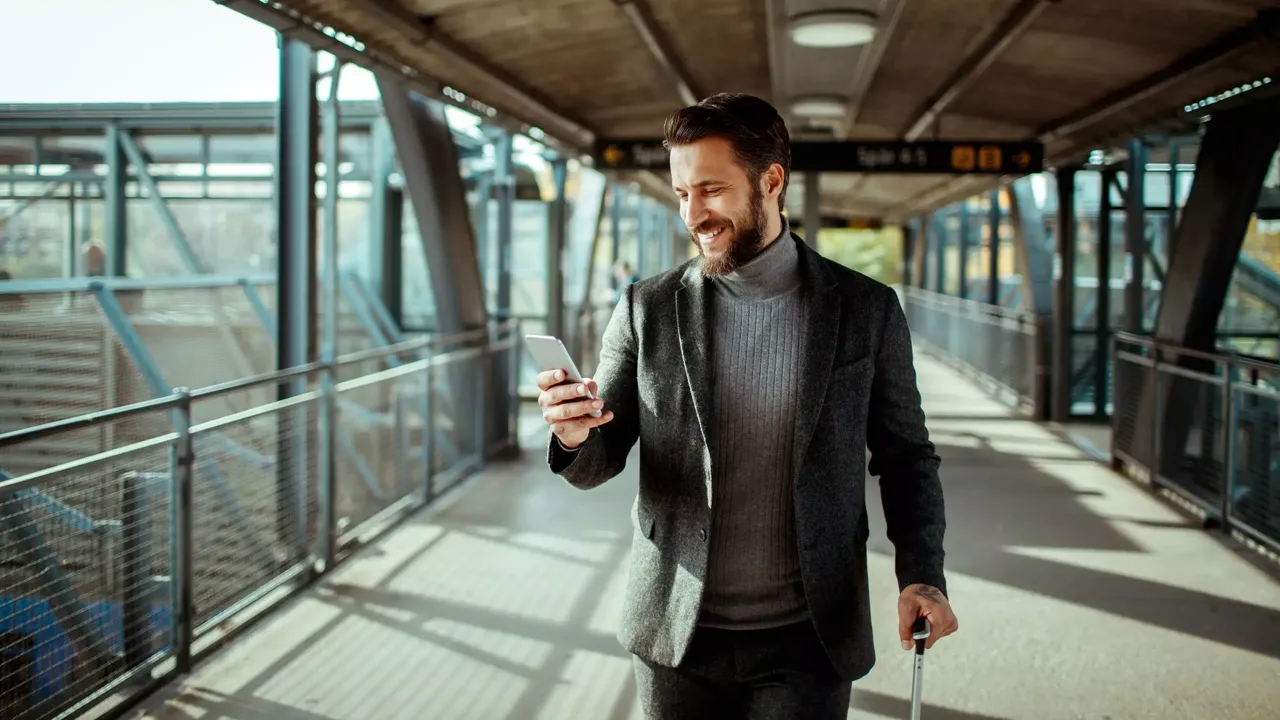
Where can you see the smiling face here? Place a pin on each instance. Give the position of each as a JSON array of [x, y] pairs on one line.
[[730, 216]]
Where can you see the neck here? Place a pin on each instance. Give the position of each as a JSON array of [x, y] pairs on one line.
[[774, 271]]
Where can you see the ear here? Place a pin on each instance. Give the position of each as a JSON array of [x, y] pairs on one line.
[[771, 181]]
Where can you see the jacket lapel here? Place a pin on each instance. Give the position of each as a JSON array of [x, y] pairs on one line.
[[691, 324], [819, 351]]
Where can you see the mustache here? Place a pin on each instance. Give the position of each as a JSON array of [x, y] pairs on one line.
[[710, 226]]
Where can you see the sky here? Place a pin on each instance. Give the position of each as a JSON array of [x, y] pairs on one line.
[[90, 51]]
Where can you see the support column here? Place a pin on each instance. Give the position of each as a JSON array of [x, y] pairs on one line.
[[504, 192], [812, 207], [1236, 150], [1064, 287], [909, 239], [1135, 239], [114, 205], [1102, 322], [939, 249], [993, 256], [964, 240], [386, 217], [1035, 265], [924, 236], [557, 231], [297, 308]]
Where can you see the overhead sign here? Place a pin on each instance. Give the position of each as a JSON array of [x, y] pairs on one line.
[[946, 157]]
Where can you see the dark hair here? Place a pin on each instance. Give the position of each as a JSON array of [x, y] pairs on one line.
[[752, 126]]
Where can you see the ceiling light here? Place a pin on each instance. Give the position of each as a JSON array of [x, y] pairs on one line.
[[833, 28], [819, 106]]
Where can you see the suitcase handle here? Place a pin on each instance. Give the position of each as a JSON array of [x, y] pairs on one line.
[[920, 630]]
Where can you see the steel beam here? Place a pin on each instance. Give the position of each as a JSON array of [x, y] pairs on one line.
[[964, 241], [433, 183], [504, 185], [426, 36], [812, 203], [1000, 37], [1265, 25], [869, 62], [641, 18]]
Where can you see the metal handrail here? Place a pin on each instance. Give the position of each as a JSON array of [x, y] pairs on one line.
[[90, 284], [171, 401], [1232, 360], [952, 301]]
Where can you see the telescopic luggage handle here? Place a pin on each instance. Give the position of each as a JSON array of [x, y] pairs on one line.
[[919, 632]]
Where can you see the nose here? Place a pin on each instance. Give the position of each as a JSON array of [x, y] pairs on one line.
[[695, 212]]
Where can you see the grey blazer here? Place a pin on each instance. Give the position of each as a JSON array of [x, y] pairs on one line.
[[859, 392]]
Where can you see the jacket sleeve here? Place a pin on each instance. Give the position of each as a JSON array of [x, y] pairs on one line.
[[904, 458], [604, 453]]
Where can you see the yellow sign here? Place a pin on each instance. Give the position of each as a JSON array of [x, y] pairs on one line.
[[1022, 159], [962, 158], [989, 158], [613, 155]]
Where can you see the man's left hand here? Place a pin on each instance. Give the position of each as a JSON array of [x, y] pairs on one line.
[[925, 600]]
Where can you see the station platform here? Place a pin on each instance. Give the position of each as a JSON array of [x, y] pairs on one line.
[[1079, 595]]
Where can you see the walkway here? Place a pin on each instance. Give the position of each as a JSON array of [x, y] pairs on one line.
[[1079, 596]]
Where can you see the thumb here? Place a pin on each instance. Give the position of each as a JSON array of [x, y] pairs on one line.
[[592, 386], [907, 613]]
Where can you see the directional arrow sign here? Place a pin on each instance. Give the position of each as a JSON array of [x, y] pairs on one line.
[[945, 157]]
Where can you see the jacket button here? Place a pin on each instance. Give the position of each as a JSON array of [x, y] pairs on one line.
[[702, 534]]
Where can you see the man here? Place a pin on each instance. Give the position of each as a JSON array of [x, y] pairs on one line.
[[755, 378]]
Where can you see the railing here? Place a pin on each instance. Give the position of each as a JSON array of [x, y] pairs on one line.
[[993, 344], [119, 569], [1205, 427]]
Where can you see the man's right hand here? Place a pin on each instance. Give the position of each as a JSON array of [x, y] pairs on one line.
[[565, 407]]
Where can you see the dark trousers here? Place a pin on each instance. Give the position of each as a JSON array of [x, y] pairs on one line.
[[775, 674]]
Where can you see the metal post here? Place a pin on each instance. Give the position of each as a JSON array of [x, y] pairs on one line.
[[812, 207], [1102, 322], [182, 519], [1135, 239], [428, 435], [557, 232], [1228, 437], [993, 256], [963, 256], [135, 561], [114, 204], [481, 407], [505, 185], [513, 352], [1064, 296], [329, 421]]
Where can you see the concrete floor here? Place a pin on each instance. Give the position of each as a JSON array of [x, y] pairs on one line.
[[1079, 596]]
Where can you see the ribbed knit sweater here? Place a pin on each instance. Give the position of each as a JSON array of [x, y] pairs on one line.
[[757, 335]]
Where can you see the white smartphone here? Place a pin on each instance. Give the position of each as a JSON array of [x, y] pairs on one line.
[[551, 354]]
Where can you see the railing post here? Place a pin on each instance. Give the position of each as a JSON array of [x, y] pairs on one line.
[[428, 435], [136, 582], [514, 385], [1156, 420], [327, 483], [1228, 443], [181, 518], [481, 408]]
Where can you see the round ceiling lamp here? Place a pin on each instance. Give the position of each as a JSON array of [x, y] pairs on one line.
[[833, 28], [819, 107]]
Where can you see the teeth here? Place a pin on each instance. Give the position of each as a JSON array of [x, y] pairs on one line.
[[704, 237]]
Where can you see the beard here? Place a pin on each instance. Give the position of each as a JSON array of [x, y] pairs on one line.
[[746, 237]]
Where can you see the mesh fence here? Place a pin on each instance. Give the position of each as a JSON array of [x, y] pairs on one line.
[[84, 563], [254, 507], [1255, 486]]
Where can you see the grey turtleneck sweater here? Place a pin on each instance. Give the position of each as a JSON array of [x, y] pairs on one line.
[[757, 337]]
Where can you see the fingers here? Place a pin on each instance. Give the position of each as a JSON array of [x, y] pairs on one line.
[[586, 422], [548, 379], [571, 410], [908, 611], [564, 393], [943, 622]]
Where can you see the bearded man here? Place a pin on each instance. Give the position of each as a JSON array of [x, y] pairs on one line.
[[755, 377]]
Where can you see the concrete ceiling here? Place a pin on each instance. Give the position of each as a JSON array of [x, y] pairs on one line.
[[1073, 73]]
